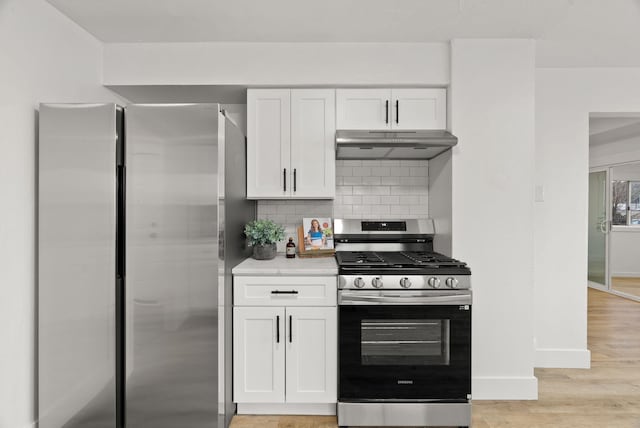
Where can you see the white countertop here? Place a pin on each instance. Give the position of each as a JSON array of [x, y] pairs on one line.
[[284, 266]]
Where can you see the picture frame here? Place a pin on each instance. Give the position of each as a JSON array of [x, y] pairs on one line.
[[315, 237]]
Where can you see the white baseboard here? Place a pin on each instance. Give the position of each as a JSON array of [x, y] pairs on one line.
[[328, 409], [626, 274], [504, 388], [563, 358]]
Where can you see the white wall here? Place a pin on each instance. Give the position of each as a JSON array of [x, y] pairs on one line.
[[493, 108], [44, 58], [284, 64], [564, 99]]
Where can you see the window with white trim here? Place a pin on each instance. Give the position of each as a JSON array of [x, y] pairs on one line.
[[625, 199]]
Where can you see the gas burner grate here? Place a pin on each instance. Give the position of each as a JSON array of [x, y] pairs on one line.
[[431, 259], [359, 258]]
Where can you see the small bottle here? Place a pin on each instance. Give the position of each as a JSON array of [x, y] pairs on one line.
[[291, 249]]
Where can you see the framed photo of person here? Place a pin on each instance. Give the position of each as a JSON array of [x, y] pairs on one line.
[[315, 237]]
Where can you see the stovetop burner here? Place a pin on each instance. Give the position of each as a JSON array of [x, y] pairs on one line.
[[395, 259]]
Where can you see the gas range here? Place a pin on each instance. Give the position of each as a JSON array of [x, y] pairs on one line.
[[405, 309]]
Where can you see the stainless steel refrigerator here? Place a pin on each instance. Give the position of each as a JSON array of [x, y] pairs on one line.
[[140, 220]]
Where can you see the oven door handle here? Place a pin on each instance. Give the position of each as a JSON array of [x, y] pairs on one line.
[[359, 298]]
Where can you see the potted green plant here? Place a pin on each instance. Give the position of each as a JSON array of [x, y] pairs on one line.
[[262, 235]]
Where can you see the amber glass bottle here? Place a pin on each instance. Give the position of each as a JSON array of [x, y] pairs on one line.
[[291, 249]]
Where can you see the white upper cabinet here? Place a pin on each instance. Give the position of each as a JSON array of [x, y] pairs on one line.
[[268, 143], [381, 109], [290, 143]]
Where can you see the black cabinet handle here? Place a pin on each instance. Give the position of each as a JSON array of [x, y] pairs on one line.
[[290, 330], [397, 111], [278, 329], [284, 292], [284, 177], [294, 179], [386, 111]]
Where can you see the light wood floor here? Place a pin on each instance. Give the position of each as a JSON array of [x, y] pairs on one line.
[[605, 396], [626, 285]]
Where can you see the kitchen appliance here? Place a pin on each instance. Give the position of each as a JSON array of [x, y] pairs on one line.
[[419, 144], [404, 327], [139, 224]]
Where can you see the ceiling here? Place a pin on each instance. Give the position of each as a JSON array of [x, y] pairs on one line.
[[569, 32], [613, 127]]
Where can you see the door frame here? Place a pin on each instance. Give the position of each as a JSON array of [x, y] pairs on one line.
[[607, 201]]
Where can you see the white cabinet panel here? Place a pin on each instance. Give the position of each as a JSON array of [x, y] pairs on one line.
[[268, 143], [312, 143], [284, 290], [419, 108], [363, 108], [259, 355], [311, 369]]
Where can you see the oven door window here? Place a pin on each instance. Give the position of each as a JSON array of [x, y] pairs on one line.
[[404, 342]]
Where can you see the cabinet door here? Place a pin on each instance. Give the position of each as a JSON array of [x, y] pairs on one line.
[[311, 354], [313, 132], [258, 355], [419, 108], [363, 108], [268, 143]]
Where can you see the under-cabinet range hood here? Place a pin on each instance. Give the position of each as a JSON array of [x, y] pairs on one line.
[[420, 144]]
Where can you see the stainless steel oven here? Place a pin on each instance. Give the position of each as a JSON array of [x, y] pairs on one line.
[[404, 333]]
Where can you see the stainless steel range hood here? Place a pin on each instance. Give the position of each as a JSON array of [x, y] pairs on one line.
[[393, 144]]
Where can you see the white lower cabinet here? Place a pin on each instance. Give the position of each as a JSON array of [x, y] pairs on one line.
[[284, 357], [285, 354]]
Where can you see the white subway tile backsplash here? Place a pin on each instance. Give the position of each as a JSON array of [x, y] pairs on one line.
[[371, 180], [414, 181], [351, 200], [399, 171], [361, 171], [344, 171], [412, 199], [350, 181], [412, 163], [390, 180], [371, 200], [344, 190], [389, 200], [418, 171], [351, 162], [392, 162]]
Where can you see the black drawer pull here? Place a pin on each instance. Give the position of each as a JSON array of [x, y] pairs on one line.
[[278, 329], [284, 292]]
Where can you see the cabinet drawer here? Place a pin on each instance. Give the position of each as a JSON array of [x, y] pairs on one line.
[[284, 290]]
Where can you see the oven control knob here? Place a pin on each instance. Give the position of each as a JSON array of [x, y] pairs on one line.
[[434, 282], [405, 282], [358, 282], [451, 282], [376, 282]]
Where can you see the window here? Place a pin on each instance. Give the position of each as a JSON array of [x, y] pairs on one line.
[[625, 198]]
